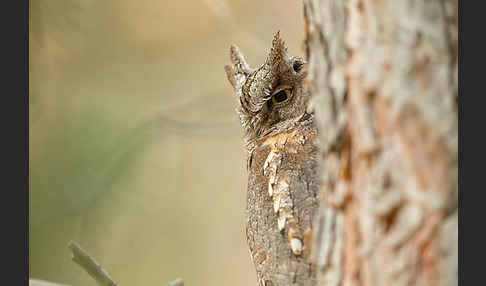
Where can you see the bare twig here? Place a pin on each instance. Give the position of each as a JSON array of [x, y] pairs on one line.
[[38, 282], [94, 269], [177, 282]]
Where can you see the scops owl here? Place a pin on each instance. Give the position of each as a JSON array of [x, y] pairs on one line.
[[280, 137]]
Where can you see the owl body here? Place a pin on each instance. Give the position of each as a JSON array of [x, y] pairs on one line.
[[281, 140]]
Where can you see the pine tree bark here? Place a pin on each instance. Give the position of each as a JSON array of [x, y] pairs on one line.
[[383, 75]]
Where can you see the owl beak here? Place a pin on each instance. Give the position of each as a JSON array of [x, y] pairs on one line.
[[298, 64], [301, 67]]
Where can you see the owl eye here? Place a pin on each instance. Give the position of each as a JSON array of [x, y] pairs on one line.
[[282, 95]]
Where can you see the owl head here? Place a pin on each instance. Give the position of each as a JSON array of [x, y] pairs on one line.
[[273, 94]]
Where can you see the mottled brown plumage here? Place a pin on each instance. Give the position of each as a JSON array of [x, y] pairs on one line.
[[280, 137]]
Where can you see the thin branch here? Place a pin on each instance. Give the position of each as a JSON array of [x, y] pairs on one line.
[[38, 282], [177, 282], [94, 269]]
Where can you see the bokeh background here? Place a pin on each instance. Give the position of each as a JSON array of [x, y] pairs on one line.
[[135, 148]]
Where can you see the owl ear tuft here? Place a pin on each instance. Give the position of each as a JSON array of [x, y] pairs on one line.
[[240, 69], [230, 74], [238, 60], [278, 53]]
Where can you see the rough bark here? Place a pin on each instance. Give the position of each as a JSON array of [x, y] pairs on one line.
[[384, 79]]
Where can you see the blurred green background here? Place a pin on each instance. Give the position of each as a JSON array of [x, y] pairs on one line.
[[135, 148]]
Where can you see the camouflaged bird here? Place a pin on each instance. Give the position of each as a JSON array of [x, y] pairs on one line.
[[281, 140]]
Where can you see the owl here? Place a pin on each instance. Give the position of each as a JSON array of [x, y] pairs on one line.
[[281, 140]]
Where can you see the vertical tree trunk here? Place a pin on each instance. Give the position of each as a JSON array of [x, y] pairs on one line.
[[384, 79]]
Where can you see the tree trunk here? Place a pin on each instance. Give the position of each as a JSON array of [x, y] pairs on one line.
[[383, 75]]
